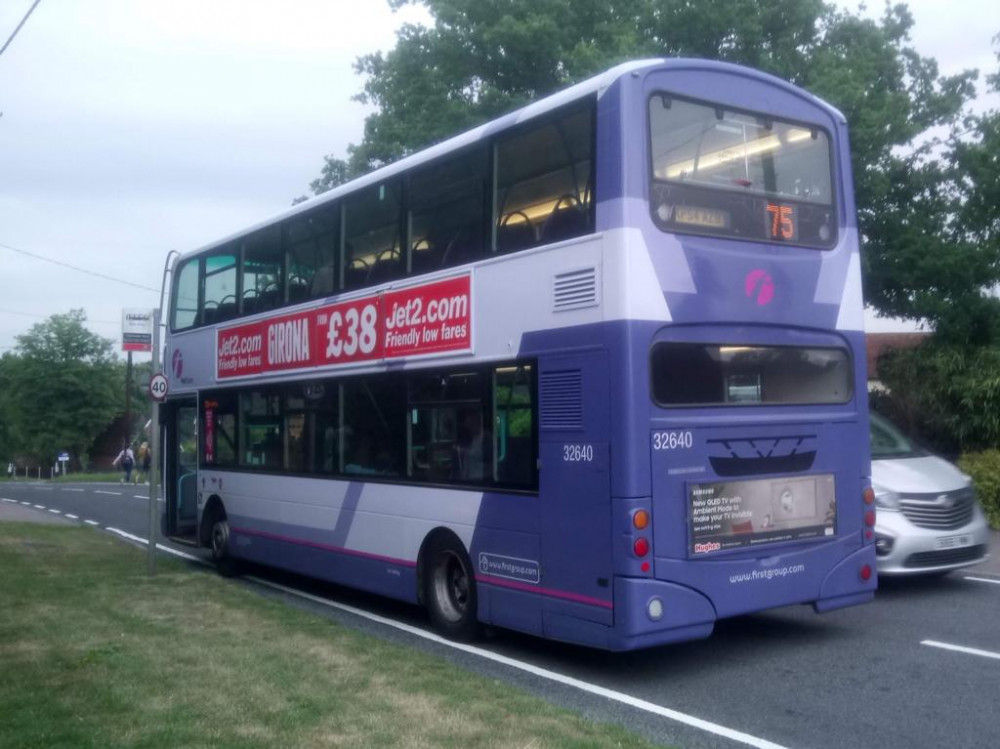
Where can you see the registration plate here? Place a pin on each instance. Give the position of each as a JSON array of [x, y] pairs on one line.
[[953, 542]]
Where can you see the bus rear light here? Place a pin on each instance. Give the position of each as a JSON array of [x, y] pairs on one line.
[[868, 495], [870, 518], [640, 547], [640, 519], [866, 572]]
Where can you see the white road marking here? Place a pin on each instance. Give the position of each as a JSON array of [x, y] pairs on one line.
[[39, 507], [57, 512], [73, 517], [961, 649], [91, 522], [983, 579], [72, 490], [12, 501], [610, 694], [100, 491], [26, 504], [161, 547]]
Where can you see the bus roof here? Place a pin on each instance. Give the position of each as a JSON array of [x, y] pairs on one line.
[[595, 85]]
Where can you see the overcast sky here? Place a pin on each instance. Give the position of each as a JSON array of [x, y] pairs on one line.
[[130, 128]]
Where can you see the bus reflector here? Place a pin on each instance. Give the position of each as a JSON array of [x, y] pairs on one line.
[[641, 547], [869, 495], [641, 519], [644, 567], [866, 572], [870, 518]]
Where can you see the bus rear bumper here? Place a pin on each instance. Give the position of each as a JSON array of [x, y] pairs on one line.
[[653, 612]]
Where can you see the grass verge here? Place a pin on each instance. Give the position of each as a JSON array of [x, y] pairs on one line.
[[97, 654]]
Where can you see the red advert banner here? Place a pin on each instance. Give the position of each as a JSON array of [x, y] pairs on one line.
[[418, 320]]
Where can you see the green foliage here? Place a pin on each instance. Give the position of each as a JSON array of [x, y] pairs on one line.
[[62, 387], [948, 397], [984, 467]]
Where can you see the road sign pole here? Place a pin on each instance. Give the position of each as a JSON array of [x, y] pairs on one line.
[[155, 447]]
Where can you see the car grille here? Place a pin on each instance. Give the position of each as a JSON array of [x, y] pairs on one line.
[[945, 557], [939, 511]]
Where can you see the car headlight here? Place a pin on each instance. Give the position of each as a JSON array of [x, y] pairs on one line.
[[885, 499]]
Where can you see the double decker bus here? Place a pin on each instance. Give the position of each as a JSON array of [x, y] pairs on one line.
[[592, 371]]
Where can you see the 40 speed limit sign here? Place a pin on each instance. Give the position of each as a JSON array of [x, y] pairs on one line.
[[158, 387]]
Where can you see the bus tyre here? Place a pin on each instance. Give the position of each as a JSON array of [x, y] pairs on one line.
[[227, 566], [450, 588]]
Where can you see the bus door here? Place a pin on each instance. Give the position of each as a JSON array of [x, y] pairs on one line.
[[180, 469], [575, 488]]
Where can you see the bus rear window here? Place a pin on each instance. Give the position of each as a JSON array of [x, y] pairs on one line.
[[712, 374], [727, 173]]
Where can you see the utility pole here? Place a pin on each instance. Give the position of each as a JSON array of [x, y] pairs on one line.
[[154, 446]]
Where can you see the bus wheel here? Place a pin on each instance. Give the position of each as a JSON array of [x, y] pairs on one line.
[[450, 588], [227, 566]]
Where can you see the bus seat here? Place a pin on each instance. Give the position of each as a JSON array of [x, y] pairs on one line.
[[564, 222], [515, 236], [249, 301], [464, 247], [298, 290], [227, 309], [386, 267], [269, 298], [426, 258], [210, 314], [356, 274]]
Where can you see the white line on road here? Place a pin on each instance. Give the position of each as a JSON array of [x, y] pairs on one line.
[[73, 517], [101, 491], [26, 504], [12, 501], [91, 522], [983, 579], [161, 547], [39, 507], [57, 512], [72, 490], [961, 649], [649, 707]]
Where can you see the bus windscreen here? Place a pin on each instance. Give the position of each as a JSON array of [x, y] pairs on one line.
[[726, 173]]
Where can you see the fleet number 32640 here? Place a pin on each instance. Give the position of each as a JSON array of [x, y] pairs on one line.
[[672, 440]]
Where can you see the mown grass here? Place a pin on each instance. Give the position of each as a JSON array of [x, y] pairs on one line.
[[95, 653]]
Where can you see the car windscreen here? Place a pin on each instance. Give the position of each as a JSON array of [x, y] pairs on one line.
[[713, 374], [727, 173], [889, 442]]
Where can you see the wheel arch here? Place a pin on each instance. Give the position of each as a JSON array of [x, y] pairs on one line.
[[439, 532]]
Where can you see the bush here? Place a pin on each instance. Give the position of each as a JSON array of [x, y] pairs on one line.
[[946, 397], [984, 467]]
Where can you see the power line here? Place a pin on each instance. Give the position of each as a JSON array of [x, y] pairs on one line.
[[35, 314], [78, 269], [23, 20]]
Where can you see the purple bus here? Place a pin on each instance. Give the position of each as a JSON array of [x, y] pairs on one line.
[[592, 371]]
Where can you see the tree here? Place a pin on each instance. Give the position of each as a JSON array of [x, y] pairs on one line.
[[481, 58], [63, 387]]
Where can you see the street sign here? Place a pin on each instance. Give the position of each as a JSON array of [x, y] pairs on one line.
[[137, 330], [63, 457], [158, 387]]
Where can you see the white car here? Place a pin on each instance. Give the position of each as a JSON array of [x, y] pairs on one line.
[[927, 516]]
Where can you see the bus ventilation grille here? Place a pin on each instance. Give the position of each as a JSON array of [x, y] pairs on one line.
[[560, 399], [575, 289]]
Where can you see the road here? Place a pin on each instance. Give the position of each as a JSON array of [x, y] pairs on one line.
[[919, 667]]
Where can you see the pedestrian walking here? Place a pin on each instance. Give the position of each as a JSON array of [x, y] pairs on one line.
[[126, 461]]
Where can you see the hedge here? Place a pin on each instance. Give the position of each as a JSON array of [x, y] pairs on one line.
[[984, 467]]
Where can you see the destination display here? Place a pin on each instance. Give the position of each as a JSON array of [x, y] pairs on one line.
[[419, 320], [735, 514]]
